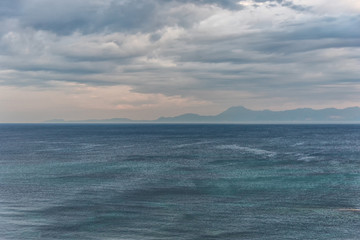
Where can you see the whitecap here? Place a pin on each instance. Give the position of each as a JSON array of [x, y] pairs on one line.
[[255, 151], [191, 144], [301, 156], [306, 158], [298, 144]]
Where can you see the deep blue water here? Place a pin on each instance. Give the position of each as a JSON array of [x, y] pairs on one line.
[[138, 182]]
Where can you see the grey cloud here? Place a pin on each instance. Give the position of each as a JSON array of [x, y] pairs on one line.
[[340, 27], [324, 33], [285, 3], [88, 16], [64, 45], [77, 70], [227, 4], [293, 46], [9, 8], [44, 77], [67, 17], [236, 4], [270, 46], [295, 7]]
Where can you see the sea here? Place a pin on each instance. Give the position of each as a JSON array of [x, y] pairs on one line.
[[179, 181]]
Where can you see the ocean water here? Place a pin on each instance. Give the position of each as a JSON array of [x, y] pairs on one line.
[[139, 182]]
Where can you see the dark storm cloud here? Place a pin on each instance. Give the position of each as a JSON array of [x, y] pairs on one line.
[[9, 8], [88, 17], [111, 16], [68, 16]]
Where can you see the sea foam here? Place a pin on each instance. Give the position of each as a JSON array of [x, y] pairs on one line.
[[255, 151]]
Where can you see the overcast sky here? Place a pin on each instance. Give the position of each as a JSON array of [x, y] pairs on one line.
[[141, 59]]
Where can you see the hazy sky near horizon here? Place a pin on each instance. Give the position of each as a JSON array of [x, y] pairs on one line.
[[81, 59]]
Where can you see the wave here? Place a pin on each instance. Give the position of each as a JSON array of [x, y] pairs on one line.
[[304, 157], [255, 151], [192, 144], [298, 144]]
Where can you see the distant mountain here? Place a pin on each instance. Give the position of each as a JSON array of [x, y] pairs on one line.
[[55, 121], [189, 117], [243, 115], [111, 120]]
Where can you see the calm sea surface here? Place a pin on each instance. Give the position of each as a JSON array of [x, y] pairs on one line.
[[139, 182]]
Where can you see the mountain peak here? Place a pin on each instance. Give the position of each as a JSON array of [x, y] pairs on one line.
[[237, 108], [240, 114]]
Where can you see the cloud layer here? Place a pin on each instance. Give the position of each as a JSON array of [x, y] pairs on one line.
[[204, 55]]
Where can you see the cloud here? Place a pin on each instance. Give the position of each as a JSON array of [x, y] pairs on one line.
[[81, 101], [269, 52], [9, 8], [93, 16]]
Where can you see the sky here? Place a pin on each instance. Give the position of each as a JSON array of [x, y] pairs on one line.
[[142, 59]]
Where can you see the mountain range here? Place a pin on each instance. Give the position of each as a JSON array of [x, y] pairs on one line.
[[241, 114]]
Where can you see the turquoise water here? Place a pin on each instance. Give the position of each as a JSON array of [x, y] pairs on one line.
[[179, 181]]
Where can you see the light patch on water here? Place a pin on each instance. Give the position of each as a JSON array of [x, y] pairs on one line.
[[298, 144], [128, 146], [255, 151], [192, 144], [90, 145], [350, 209], [306, 158], [301, 156]]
